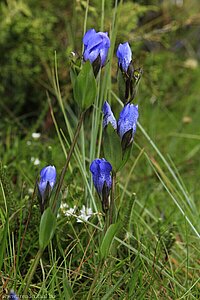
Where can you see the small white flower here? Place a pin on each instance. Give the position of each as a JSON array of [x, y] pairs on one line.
[[70, 211], [85, 214], [30, 191], [66, 210], [28, 143], [35, 161], [36, 135], [63, 206]]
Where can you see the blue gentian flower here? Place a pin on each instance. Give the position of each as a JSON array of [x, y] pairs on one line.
[[124, 56], [96, 44], [101, 175], [127, 123], [13, 296], [47, 179], [108, 116]]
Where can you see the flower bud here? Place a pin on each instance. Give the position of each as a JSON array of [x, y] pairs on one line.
[[124, 56], [101, 175], [126, 125], [129, 77], [46, 184]]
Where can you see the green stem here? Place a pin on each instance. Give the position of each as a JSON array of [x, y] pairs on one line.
[[112, 198], [64, 170], [32, 270]]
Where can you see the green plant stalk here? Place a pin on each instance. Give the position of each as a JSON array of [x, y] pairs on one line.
[[78, 128], [33, 268], [112, 199]]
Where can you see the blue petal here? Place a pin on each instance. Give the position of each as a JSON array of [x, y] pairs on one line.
[[101, 169], [103, 53], [124, 55], [47, 174], [108, 116], [105, 166], [91, 55], [13, 296], [105, 39], [42, 187], [96, 43], [88, 35], [128, 119]]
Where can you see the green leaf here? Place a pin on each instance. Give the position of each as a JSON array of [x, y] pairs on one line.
[[112, 147], [107, 240], [85, 87], [47, 227], [125, 156]]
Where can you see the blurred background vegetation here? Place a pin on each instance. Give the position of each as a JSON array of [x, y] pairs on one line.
[[165, 39]]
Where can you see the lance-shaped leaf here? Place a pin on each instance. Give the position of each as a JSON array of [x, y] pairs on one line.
[[112, 147], [107, 240], [85, 87], [47, 228]]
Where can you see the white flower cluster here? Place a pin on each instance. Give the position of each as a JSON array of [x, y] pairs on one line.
[[35, 161], [83, 215]]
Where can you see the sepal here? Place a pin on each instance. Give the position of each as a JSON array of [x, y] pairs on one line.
[[44, 199], [128, 83], [127, 139], [96, 65], [105, 197]]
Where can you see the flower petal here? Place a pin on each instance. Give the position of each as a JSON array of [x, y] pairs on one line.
[[124, 56], [101, 174], [128, 119], [96, 43], [108, 116]]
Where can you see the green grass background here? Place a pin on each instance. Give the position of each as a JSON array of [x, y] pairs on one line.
[[156, 253]]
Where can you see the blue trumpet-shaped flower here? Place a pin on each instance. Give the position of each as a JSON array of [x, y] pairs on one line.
[[96, 44], [47, 179], [128, 120], [101, 175], [124, 56], [108, 116]]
